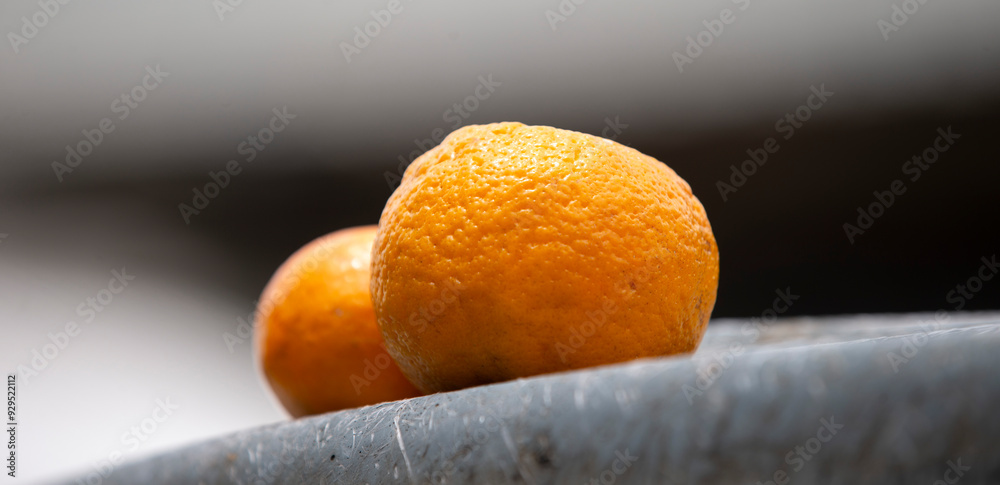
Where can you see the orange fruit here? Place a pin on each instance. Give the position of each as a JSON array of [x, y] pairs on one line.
[[316, 339], [511, 250]]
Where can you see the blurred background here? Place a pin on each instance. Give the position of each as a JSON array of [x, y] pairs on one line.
[[187, 148]]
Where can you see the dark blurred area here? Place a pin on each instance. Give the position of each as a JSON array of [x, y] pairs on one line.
[[782, 228]]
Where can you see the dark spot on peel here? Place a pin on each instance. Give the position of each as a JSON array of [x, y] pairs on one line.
[[543, 459]]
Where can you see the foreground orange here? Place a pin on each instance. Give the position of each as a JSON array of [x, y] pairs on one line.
[[512, 250], [316, 338]]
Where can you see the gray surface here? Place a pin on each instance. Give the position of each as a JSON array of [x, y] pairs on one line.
[[806, 330], [899, 424]]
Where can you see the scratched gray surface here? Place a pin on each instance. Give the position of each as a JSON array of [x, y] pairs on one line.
[[912, 420]]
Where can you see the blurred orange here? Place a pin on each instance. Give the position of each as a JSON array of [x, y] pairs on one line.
[[316, 337]]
